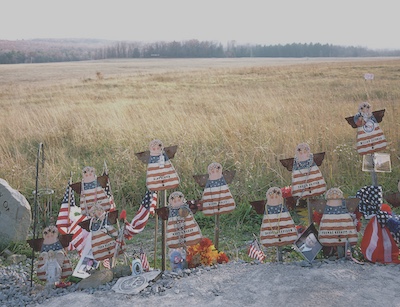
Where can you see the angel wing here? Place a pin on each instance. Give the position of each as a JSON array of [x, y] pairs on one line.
[[201, 180], [36, 244], [259, 206], [145, 155], [77, 186], [377, 114], [288, 163], [163, 212], [393, 199]]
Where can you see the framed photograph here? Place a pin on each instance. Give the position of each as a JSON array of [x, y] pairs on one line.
[[378, 162], [307, 244], [86, 264]]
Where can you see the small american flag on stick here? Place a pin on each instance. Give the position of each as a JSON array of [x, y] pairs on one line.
[[255, 251], [144, 261]]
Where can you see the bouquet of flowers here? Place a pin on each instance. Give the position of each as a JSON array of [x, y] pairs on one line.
[[204, 253]]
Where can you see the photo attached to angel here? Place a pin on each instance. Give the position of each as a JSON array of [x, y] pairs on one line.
[[86, 266], [378, 162], [307, 244]]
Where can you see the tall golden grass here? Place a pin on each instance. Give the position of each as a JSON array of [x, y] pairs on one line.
[[245, 114]]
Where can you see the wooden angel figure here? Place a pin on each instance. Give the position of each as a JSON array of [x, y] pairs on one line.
[[161, 174], [217, 198], [182, 228], [370, 137], [103, 234], [53, 263], [277, 228], [92, 191], [337, 226], [307, 179]]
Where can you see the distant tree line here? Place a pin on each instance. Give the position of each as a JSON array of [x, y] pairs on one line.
[[186, 49]]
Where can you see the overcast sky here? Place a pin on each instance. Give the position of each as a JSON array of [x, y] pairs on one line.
[[373, 24]]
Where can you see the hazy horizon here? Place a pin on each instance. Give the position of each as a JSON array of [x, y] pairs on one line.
[[344, 23]]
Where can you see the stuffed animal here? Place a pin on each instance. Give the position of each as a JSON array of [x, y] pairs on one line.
[[337, 225], [161, 174], [217, 198], [277, 228], [182, 228], [307, 179]]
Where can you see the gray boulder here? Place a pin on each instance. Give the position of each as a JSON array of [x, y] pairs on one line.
[[15, 214]]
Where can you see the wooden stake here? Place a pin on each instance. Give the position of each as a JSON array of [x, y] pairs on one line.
[[155, 235], [164, 238], [216, 231]]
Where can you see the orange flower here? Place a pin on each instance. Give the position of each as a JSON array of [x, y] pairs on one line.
[[204, 253]]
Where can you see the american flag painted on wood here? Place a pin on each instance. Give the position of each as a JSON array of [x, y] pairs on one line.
[[370, 137], [161, 174], [217, 198], [277, 228], [93, 193], [337, 226], [307, 180], [103, 245], [182, 230]]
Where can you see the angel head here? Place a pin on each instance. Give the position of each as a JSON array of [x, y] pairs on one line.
[[50, 234], [365, 109], [176, 199], [214, 171], [97, 211], [303, 152], [274, 196], [156, 148], [334, 197], [88, 174]]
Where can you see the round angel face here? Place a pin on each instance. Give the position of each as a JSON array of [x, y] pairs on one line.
[[156, 147], [176, 199], [365, 109], [89, 174], [50, 235], [274, 196], [334, 197], [214, 171], [303, 152], [96, 211]]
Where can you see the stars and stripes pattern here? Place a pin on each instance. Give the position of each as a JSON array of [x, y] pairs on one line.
[[217, 198], [307, 179], [337, 226], [182, 230], [68, 201], [148, 205], [106, 263], [161, 176], [255, 251], [93, 193], [144, 261], [370, 137], [277, 228], [378, 245]]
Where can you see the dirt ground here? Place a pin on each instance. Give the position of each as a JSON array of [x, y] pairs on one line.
[[326, 283]]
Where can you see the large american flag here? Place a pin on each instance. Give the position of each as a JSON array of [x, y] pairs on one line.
[[148, 205], [69, 218], [255, 251]]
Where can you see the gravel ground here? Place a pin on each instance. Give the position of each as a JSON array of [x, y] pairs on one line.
[[323, 283]]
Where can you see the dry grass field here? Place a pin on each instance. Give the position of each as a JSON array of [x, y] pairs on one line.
[[246, 114]]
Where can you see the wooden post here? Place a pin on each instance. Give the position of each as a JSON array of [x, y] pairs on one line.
[[155, 235], [216, 231], [164, 237], [374, 177]]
